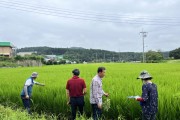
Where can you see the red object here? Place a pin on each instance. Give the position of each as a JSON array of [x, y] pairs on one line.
[[140, 99], [75, 85]]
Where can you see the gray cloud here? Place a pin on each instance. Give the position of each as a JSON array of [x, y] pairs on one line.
[[32, 29]]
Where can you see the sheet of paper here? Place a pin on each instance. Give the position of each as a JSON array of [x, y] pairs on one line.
[[133, 97]]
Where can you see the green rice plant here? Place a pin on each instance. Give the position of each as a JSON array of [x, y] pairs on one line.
[[107, 104], [120, 82], [120, 117], [6, 113]]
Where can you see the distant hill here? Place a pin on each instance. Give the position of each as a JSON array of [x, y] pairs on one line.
[[80, 54], [76, 48]]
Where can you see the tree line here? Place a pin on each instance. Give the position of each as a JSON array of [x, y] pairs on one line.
[[88, 55], [175, 53], [79, 55], [97, 55]]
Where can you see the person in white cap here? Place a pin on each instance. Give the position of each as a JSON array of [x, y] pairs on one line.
[[149, 98], [27, 90]]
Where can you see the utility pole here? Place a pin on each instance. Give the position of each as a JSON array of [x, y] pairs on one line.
[[113, 57], [104, 57], [119, 55], [143, 34], [96, 57]]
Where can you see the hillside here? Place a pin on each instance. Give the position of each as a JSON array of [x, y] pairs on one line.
[[82, 54]]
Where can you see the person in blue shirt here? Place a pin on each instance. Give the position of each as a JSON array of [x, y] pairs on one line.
[[27, 90], [149, 98]]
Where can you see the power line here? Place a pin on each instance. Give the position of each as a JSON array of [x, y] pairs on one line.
[[85, 14], [89, 12], [159, 29], [81, 16]]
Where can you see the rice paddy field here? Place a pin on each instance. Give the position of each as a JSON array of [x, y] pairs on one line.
[[120, 82]]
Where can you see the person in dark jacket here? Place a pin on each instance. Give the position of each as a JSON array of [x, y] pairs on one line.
[[149, 98]]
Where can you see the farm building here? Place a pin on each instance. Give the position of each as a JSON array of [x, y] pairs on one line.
[[7, 49]]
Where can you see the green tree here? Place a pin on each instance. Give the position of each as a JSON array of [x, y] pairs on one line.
[[175, 53], [153, 56], [18, 57]]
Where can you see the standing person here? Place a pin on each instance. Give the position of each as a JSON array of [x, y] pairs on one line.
[[149, 98], [75, 91], [96, 93], [27, 90]]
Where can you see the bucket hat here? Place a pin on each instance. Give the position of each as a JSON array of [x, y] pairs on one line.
[[144, 75]]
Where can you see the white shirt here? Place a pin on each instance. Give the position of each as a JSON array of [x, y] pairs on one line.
[[29, 82]]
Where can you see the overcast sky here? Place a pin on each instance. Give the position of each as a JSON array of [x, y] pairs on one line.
[[99, 24]]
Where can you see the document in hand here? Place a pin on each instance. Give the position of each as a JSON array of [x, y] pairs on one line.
[[133, 97]]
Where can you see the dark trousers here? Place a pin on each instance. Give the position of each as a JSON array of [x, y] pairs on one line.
[[76, 102], [97, 113], [26, 103], [148, 117]]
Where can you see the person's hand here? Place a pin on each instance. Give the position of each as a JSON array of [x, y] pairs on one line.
[[106, 94], [27, 96], [99, 106], [41, 84], [84, 93], [136, 97], [68, 103]]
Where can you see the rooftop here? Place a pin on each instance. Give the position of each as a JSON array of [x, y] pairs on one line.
[[6, 44]]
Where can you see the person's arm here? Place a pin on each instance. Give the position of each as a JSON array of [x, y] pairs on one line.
[[84, 88], [67, 93], [67, 96], [40, 84], [26, 92], [27, 83], [104, 93], [144, 94], [140, 99], [95, 86], [84, 91]]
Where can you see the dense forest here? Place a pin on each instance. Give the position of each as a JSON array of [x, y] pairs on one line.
[[175, 53], [89, 55]]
